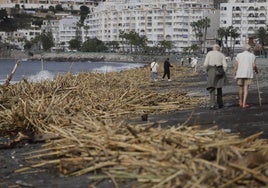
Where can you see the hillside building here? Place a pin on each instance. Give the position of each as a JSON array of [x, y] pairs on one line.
[[45, 4], [63, 31]]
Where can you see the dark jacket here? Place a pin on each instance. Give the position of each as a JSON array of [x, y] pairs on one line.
[[167, 65], [215, 81]]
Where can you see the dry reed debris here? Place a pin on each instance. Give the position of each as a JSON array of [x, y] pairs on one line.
[[88, 113]]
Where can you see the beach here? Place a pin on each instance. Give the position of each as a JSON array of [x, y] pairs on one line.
[[231, 118]]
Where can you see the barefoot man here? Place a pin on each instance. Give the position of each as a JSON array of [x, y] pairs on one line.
[[243, 71]]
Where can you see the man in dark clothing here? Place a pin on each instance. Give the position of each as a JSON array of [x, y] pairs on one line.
[[166, 69]]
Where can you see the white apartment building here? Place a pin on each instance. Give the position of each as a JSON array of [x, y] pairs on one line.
[[158, 20], [17, 38], [247, 16], [31, 33], [13, 38], [45, 4], [63, 30]]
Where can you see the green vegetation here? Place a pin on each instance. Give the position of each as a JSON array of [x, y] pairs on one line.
[[225, 33], [133, 39], [7, 24], [165, 46], [59, 8], [17, 20], [200, 28], [84, 10], [74, 44], [93, 45], [194, 48], [45, 40], [262, 35], [113, 45]]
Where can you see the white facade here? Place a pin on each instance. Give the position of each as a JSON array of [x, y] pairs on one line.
[[18, 37], [247, 16], [45, 4], [13, 38], [30, 34], [158, 20], [63, 30]]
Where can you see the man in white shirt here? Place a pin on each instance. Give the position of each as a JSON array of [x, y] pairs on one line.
[[194, 64], [154, 70], [243, 70], [213, 60]]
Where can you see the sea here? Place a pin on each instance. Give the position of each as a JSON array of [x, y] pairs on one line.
[[37, 71]]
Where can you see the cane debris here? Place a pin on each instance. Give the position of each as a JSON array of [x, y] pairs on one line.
[[83, 121]]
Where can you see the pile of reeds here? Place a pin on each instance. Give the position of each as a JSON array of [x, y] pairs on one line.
[[95, 95], [149, 156], [88, 114]]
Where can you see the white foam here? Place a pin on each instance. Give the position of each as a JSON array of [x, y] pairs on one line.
[[108, 68], [41, 76], [2, 81]]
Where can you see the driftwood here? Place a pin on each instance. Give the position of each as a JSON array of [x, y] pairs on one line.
[[17, 140], [258, 87], [10, 76], [86, 117]]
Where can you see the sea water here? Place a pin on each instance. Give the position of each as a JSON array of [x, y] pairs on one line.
[[47, 70]]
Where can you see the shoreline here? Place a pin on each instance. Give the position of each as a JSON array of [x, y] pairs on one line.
[[90, 56]]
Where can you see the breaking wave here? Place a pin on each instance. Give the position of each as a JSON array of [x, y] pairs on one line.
[[41, 76], [120, 67]]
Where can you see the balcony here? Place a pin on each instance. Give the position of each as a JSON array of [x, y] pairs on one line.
[[236, 9], [262, 8], [237, 22], [236, 18]]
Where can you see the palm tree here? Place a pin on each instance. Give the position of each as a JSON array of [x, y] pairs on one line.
[[86, 27], [194, 48], [206, 25], [200, 28], [197, 28], [262, 35], [221, 33], [114, 45], [224, 33], [234, 35], [131, 38], [165, 45]]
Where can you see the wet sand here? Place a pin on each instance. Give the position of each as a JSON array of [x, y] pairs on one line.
[[232, 118]]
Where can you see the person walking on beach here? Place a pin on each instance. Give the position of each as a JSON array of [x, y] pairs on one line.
[[182, 61], [244, 67], [167, 66], [194, 64], [215, 60], [154, 70]]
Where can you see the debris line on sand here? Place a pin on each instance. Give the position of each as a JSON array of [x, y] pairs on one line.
[[85, 121]]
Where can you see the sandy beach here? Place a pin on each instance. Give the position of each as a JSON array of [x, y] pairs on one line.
[[231, 118]]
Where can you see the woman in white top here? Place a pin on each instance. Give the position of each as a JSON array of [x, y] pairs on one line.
[[154, 70], [243, 70]]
